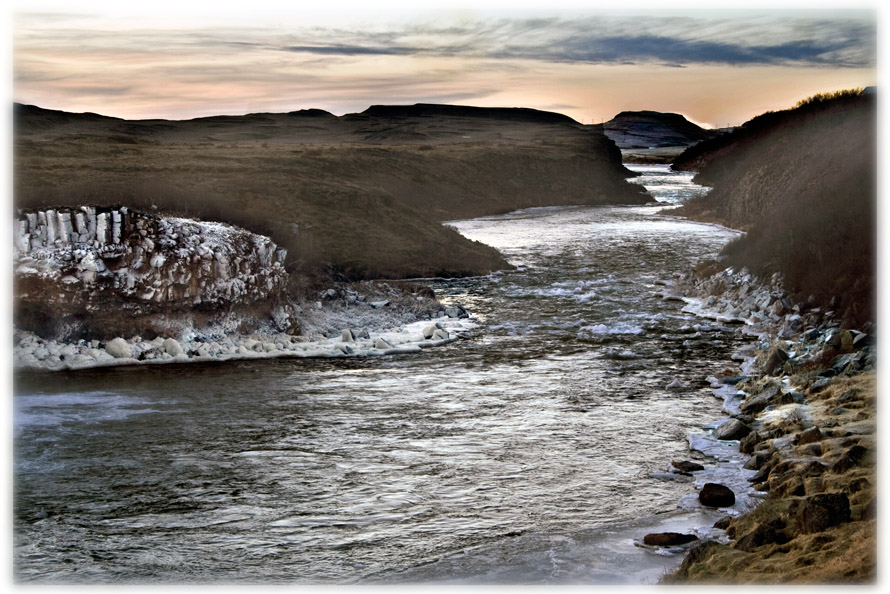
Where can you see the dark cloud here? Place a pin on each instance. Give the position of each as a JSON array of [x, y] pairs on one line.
[[353, 50], [99, 90], [641, 48], [674, 41]]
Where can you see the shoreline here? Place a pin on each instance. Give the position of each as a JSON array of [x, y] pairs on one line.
[[808, 463], [717, 459], [408, 338]]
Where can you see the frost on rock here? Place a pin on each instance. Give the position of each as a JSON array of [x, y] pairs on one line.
[[89, 262]]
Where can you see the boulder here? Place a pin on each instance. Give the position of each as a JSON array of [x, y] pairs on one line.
[[732, 429], [811, 449], [762, 534], [668, 539], [441, 335], [677, 385], [822, 511], [172, 347], [793, 326], [811, 435], [723, 523], [347, 336], [841, 341], [775, 361], [861, 340], [716, 495], [770, 396], [686, 466], [698, 554], [456, 311], [429, 331], [756, 461], [820, 384], [119, 349], [761, 476], [749, 443], [382, 343], [849, 363], [850, 459]]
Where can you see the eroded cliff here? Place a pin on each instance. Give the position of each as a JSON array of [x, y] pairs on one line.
[[99, 272]]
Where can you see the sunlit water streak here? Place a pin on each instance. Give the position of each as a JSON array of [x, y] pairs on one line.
[[520, 454]]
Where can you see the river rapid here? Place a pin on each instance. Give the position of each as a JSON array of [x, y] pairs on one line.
[[519, 454]]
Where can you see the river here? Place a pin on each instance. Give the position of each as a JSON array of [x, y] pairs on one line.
[[519, 454]]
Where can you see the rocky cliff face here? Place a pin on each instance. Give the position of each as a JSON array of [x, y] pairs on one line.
[[95, 272]]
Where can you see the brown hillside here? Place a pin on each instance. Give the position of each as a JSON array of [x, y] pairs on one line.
[[362, 195], [802, 183]]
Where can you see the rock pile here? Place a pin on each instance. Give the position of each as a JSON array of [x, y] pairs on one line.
[[793, 337], [35, 353], [803, 408]]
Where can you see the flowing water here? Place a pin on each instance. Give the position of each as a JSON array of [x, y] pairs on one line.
[[520, 454]]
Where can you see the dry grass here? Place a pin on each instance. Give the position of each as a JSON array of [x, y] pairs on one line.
[[357, 197], [803, 184], [845, 554], [842, 554]]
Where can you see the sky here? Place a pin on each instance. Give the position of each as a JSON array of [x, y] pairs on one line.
[[183, 60]]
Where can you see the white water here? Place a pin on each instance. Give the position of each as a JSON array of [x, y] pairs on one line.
[[521, 454]]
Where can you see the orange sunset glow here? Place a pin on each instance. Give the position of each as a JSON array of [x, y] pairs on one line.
[[717, 68]]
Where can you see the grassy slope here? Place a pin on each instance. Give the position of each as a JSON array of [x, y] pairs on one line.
[[802, 183], [361, 195]]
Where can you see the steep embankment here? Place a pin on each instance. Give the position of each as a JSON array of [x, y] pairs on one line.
[[361, 195], [801, 182], [103, 286]]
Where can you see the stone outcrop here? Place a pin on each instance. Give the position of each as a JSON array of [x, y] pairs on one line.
[[94, 272]]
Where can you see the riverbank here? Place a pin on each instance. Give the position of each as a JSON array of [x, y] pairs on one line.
[[355, 197], [348, 320], [803, 409]]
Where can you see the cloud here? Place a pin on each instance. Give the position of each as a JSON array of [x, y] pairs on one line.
[[353, 50], [180, 67], [642, 48], [675, 41]]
